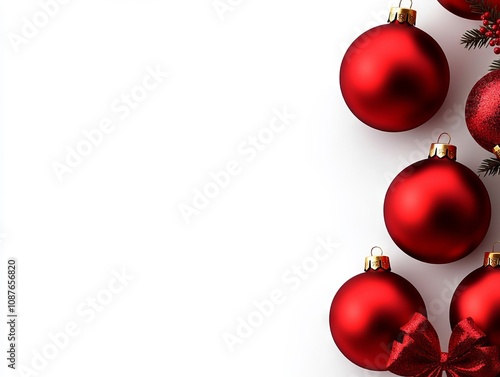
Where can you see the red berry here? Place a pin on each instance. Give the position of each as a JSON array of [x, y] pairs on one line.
[[498, 41], [482, 30], [489, 34], [486, 22], [493, 42], [497, 33], [497, 50], [486, 15], [494, 27], [498, 21]]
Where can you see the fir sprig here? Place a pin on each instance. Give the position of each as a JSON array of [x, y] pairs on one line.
[[489, 33], [474, 39], [490, 166], [495, 65], [486, 35], [482, 6]]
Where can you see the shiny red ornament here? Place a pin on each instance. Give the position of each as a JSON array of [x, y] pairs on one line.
[[482, 112], [437, 210], [478, 297], [395, 77], [368, 310], [462, 8]]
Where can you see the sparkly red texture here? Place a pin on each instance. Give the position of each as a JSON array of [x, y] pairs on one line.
[[482, 111], [419, 353]]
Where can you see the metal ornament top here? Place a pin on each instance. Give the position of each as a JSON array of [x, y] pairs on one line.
[[492, 258], [376, 262], [403, 15], [442, 150]]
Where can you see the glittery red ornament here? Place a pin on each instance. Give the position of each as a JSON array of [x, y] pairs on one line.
[[437, 210], [478, 297], [395, 77], [369, 309], [482, 112], [462, 8]]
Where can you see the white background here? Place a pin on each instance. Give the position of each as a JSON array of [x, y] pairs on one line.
[[324, 176]]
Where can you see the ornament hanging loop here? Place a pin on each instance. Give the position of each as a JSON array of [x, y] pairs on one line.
[[493, 248], [401, 2], [441, 135], [378, 248]]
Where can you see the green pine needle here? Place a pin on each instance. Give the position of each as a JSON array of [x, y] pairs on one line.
[[495, 65], [474, 39], [481, 6], [490, 166]]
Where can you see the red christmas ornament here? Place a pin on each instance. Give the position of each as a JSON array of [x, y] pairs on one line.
[[478, 297], [482, 112], [369, 309], [462, 8], [395, 77], [437, 210]]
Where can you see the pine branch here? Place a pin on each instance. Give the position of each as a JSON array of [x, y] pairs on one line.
[[481, 6], [490, 166], [474, 39], [495, 65]]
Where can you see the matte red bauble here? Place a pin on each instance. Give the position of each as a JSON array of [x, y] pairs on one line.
[[482, 112], [463, 9], [478, 297], [437, 210], [395, 77], [368, 311]]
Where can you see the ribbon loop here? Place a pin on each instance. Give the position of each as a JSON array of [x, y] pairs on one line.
[[419, 353]]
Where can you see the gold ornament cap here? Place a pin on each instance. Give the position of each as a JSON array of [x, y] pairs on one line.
[[443, 150], [492, 258], [403, 15], [377, 262], [496, 150]]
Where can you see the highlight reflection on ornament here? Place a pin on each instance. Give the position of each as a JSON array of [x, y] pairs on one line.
[[368, 310], [478, 297], [437, 210], [395, 77]]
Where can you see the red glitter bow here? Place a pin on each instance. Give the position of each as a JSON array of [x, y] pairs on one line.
[[419, 353]]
